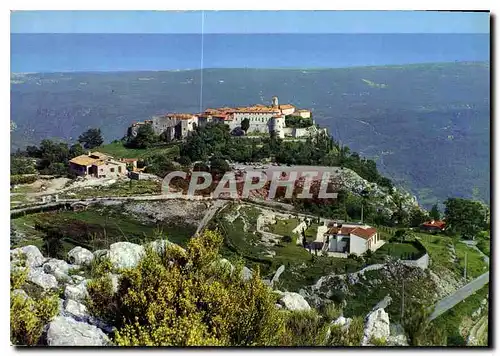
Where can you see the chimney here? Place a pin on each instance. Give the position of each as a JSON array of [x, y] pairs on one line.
[[89, 153]]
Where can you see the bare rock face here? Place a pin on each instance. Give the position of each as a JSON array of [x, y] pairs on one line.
[[246, 273], [76, 310], [65, 331], [125, 254], [34, 257], [40, 278], [377, 326], [58, 269], [54, 264], [294, 301], [277, 275], [80, 256], [76, 292]]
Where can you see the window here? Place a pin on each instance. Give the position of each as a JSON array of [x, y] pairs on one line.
[[112, 170]]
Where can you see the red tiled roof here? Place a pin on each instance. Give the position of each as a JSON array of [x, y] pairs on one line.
[[340, 231], [364, 233], [435, 223], [181, 116]]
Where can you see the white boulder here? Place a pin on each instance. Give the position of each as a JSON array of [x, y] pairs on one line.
[[80, 256], [65, 331], [54, 264], [76, 292], [76, 310], [277, 275], [42, 279], [34, 257], [294, 301], [377, 326], [246, 274], [125, 254]]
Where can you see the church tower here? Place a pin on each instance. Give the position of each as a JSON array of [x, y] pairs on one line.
[[275, 102]]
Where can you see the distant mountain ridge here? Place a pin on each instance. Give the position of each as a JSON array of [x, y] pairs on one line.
[[428, 125]]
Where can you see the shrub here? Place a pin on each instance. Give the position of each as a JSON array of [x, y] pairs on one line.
[[22, 179], [350, 336], [181, 298], [29, 315], [286, 238], [304, 328]]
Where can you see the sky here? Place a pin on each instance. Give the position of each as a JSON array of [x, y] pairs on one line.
[[249, 22]]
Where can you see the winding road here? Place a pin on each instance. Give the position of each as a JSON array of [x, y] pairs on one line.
[[453, 299]]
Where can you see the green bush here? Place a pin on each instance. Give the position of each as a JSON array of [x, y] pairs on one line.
[[29, 315], [22, 179], [350, 336], [304, 328], [181, 298]]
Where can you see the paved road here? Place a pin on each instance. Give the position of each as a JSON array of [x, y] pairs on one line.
[[218, 204], [464, 292], [472, 244]]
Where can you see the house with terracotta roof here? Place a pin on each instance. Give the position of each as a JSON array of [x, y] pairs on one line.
[[433, 226], [97, 164], [352, 238]]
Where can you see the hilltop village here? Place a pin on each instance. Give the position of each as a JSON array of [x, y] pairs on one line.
[[284, 120]]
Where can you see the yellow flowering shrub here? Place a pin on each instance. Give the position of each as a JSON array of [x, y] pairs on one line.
[[184, 298], [28, 315]]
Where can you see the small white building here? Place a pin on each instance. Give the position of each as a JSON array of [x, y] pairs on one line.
[[305, 114], [350, 238]]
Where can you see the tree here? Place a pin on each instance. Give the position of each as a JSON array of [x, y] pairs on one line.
[[245, 124], [76, 150], [192, 300], [434, 214], [21, 165], [91, 138], [417, 217], [145, 137], [185, 161], [219, 166], [159, 165], [465, 217]]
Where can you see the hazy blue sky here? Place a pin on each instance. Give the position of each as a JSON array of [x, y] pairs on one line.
[[248, 22]]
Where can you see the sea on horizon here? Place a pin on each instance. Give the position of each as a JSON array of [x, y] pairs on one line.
[[43, 53]]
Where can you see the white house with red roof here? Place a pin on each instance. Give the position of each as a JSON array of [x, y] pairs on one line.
[[352, 238]]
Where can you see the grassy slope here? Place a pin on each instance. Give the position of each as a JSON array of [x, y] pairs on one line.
[[117, 150], [98, 227]]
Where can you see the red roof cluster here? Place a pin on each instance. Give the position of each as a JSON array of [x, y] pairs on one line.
[[435, 223]]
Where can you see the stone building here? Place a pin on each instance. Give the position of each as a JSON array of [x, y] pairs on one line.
[[97, 164], [263, 119]]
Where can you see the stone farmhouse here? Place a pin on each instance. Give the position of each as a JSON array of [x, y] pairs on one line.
[[350, 238], [99, 165], [263, 119]]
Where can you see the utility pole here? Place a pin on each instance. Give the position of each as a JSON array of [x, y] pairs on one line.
[[403, 302], [362, 213], [465, 267]]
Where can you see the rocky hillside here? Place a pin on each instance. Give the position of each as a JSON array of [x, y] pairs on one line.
[[74, 324]]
